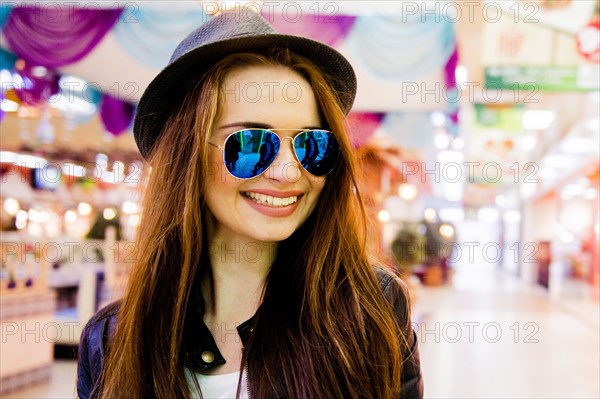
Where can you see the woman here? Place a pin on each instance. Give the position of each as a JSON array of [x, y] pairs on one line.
[[245, 284]]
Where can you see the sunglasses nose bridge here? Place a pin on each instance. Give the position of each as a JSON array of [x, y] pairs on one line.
[[282, 140], [285, 165]]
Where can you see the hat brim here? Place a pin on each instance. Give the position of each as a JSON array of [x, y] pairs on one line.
[[162, 94]]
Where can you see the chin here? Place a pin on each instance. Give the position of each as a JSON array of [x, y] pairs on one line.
[[267, 235]]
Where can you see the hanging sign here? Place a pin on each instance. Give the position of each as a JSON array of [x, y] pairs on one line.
[[543, 78]]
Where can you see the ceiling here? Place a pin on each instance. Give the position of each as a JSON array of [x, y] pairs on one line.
[[109, 67]]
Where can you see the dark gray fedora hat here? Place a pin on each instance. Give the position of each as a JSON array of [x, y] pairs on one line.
[[232, 31]]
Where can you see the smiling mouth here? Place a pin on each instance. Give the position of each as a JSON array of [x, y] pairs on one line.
[[275, 202]]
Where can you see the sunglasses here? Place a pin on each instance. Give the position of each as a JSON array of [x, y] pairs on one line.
[[248, 153]]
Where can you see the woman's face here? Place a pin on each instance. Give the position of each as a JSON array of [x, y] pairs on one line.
[[272, 97]]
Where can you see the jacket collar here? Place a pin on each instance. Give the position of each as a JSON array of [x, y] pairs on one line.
[[202, 352]]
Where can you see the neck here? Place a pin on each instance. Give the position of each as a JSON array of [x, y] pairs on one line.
[[239, 268]]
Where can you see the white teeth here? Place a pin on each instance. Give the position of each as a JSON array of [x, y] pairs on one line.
[[271, 201]]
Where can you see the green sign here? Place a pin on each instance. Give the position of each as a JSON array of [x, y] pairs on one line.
[[544, 78], [503, 117]]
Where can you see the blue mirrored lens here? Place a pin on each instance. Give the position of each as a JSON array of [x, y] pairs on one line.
[[249, 152], [317, 151]]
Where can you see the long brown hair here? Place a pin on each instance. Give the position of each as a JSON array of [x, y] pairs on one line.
[[324, 328]]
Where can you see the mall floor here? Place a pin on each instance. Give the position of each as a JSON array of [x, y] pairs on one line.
[[486, 335]]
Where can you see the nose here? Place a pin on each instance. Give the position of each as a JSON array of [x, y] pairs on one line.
[[285, 167]]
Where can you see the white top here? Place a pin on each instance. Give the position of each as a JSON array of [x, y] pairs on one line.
[[219, 386]]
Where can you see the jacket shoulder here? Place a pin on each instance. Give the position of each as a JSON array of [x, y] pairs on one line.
[[109, 311], [397, 294], [395, 290], [92, 348], [103, 321]]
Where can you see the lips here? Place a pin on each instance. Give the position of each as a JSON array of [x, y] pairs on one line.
[[263, 199], [273, 203]]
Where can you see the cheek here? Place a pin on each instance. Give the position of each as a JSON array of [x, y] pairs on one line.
[[215, 167], [220, 202], [317, 186], [318, 183], [218, 174]]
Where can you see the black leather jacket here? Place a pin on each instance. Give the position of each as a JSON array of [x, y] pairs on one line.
[[101, 326]]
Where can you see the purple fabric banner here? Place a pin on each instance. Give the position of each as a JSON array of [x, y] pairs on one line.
[[323, 28], [450, 74], [450, 69], [116, 115], [38, 83], [57, 35], [1, 102]]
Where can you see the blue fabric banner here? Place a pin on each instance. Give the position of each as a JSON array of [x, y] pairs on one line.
[[400, 48], [151, 34]]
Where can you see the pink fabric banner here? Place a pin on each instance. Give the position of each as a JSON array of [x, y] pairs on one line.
[[323, 28], [362, 125]]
